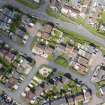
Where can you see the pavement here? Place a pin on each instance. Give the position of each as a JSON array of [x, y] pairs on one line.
[[26, 49], [41, 14]]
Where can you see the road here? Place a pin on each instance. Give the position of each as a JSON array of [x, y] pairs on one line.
[[25, 49], [40, 13], [40, 61]]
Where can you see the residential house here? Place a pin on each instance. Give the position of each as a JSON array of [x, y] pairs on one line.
[[24, 67], [83, 59], [7, 55], [99, 74], [11, 84]]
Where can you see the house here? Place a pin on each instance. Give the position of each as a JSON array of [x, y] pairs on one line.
[[70, 11], [24, 67], [99, 74], [7, 55], [69, 50], [82, 61], [47, 28], [12, 83], [28, 94]]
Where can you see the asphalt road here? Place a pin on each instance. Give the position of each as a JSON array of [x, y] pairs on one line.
[[40, 13], [40, 60]]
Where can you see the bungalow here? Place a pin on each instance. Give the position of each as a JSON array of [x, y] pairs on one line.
[[38, 49], [7, 55], [24, 67], [82, 61]]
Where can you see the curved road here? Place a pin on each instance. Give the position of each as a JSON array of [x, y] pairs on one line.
[[41, 13], [72, 27]]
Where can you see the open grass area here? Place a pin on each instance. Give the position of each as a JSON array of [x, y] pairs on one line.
[[29, 3], [61, 61]]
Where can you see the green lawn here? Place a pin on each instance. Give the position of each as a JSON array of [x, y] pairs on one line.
[[61, 61], [29, 4], [50, 57]]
